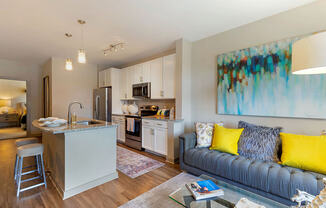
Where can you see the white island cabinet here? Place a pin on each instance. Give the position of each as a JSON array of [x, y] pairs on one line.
[[80, 156], [120, 120]]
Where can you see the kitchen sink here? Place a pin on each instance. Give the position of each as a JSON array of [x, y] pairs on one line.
[[87, 123]]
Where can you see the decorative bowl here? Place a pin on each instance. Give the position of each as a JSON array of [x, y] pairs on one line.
[[133, 108]]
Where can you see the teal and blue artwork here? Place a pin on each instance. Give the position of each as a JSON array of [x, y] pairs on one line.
[[258, 81]]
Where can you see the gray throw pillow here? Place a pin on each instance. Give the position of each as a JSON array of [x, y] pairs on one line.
[[259, 142]]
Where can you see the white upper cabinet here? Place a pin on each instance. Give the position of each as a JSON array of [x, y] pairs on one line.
[[123, 84], [104, 78], [130, 80], [101, 78], [156, 67], [159, 72], [146, 72], [138, 73], [142, 73], [162, 72], [169, 64]]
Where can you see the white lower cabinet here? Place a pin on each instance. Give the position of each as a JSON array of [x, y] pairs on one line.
[[121, 130], [161, 139], [148, 138], [154, 138]]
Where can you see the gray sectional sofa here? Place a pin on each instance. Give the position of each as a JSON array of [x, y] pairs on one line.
[[269, 179]]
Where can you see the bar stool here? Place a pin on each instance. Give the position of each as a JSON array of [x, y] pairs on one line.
[[30, 150], [24, 141], [21, 142]]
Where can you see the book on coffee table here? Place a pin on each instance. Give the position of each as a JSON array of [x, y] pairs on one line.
[[204, 189], [233, 197]]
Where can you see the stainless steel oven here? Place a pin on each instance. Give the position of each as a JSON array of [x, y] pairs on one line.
[[134, 126], [142, 90], [133, 132]]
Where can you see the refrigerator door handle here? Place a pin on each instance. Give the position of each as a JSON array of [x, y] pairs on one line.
[[97, 100]]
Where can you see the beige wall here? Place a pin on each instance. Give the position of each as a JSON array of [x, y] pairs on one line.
[[183, 83], [32, 74], [47, 71], [69, 86], [300, 21]]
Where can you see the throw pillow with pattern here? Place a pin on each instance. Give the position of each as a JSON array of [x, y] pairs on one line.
[[259, 142], [204, 133]]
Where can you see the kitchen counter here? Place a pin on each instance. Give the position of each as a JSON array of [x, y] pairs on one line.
[[118, 114], [75, 127], [162, 118], [80, 156]]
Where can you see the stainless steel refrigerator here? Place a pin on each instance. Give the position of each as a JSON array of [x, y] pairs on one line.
[[102, 104]]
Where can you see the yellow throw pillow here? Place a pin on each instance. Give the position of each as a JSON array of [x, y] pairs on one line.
[[304, 152], [226, 140]]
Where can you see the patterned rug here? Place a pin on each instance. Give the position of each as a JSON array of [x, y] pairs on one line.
[[133, 164]]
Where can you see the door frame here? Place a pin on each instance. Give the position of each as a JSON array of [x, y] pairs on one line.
[[29, 113]]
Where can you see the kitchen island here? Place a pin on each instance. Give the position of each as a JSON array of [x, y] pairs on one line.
[[79, 156]]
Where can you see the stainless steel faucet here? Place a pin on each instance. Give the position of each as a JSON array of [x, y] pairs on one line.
[[69, 108]]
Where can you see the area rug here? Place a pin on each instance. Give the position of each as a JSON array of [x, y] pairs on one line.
[[133, 164], [159, 196]]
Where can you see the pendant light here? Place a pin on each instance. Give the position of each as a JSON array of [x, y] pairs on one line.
[[308, 55], [81, 52], [68, 64]]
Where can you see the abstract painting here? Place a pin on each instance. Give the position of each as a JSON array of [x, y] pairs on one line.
[[257, 81]]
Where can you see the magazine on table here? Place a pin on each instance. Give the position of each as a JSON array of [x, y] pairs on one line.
[[204, 189]]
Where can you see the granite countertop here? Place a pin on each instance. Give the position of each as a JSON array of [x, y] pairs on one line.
[[75, 127], [161, 118], [121, 114], [118, 114]]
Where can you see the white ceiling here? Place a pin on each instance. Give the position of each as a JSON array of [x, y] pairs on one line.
[[11, 88], [33, 30]]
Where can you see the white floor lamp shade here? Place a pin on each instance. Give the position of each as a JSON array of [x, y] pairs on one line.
[[309, 55]]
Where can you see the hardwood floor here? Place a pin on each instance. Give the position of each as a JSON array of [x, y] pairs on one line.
[[111, 194]]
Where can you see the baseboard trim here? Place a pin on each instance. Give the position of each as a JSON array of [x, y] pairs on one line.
[[79, 189]]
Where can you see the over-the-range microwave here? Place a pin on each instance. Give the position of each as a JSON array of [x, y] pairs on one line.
[[142, 90]]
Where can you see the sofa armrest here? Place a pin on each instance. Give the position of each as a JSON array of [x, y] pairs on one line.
[[188, 140]]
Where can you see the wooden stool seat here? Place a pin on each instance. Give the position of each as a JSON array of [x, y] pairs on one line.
[[30, 150], [30, 140]]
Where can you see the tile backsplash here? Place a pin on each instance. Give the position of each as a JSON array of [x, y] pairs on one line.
[[164, 103]]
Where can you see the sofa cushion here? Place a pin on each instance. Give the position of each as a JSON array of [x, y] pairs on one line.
[[304, 152], [265, 176], [259, 142], [225, 139], [212, 161], [204, 133]]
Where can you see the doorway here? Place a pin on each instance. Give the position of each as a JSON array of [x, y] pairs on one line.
[[13, 110]]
